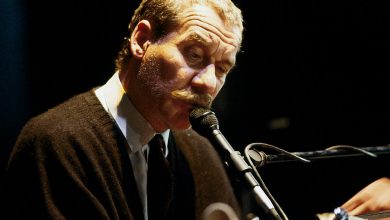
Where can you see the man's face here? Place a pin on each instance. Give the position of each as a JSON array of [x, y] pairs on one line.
[[194, 59]]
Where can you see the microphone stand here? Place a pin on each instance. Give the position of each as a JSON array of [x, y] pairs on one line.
[[205, 123], [242, 167]]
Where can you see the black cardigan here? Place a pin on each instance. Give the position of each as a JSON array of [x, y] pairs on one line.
[[71, 162]]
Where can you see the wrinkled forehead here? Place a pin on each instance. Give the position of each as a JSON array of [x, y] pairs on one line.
[[204, 18]]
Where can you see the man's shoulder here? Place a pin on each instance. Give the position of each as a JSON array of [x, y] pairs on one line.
[[65, 111], [72, 115], [71, 121]]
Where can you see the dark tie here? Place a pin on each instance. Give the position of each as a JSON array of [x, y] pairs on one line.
[[159, 184]]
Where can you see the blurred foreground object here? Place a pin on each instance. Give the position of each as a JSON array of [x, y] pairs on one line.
[[219, 211]]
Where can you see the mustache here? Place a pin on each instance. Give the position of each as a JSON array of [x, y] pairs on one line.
[[201, 100]]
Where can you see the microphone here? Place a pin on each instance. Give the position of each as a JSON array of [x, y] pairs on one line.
[[206, 124]]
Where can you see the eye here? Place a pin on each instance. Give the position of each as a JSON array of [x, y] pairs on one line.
[[221, 70], [194, 55]]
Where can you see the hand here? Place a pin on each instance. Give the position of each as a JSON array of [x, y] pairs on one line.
[[373, 198]]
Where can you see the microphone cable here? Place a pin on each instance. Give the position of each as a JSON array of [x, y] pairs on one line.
[[260, 180]]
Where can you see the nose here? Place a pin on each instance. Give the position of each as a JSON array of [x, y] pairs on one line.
[[205, 80]]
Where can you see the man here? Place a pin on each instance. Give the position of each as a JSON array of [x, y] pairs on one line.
[[89, 158]]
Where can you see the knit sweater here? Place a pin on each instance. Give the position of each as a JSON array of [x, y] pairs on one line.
[[71, 162]]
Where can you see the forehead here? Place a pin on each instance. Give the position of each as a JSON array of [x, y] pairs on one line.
[[202, 22]]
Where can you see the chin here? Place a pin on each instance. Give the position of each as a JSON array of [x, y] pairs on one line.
[[178, 118], [181, 123]]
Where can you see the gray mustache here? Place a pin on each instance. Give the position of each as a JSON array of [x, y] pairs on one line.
[[202, 100]]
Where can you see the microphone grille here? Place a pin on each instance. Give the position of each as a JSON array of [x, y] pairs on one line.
[[203, 120], [197, 112]]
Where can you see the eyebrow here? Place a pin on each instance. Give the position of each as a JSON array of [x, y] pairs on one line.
[[197, 38]]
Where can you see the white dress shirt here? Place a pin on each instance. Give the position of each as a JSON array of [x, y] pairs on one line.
[[137, 131]]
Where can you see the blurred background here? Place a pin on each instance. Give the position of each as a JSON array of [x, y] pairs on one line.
[[312, 74]]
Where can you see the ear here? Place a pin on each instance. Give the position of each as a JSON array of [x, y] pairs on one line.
[[140, 38]]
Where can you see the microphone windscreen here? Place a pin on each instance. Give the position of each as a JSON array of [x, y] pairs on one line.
[[203, 117], [198, 112], [203, 121]]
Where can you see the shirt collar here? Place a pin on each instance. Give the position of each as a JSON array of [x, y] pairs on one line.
[[137, 131]]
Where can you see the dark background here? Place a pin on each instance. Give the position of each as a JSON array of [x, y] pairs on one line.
[[312, 74]]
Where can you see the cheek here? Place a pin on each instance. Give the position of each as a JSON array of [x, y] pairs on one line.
[[175, 71], [172, 65]]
